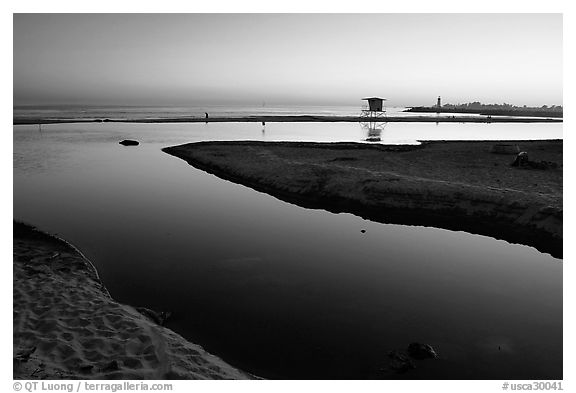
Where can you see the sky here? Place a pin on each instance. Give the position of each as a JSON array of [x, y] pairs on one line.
[[286, 59]]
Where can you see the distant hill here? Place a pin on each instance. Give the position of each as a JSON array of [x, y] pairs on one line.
[[493, 109]]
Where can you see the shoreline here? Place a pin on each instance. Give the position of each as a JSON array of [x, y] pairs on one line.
[[67, 326], [405, 184], [488, 112], [296, 119]]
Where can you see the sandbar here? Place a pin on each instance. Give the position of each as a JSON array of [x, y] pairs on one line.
[[455, 185]]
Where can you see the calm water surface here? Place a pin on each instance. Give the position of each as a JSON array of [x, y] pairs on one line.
[[283, 291], [120, 112]]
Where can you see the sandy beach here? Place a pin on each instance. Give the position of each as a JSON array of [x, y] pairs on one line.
[[67, 326], [454, 185]]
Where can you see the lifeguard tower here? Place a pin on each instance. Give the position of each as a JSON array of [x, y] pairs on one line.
[[373, 118], [375, 108]]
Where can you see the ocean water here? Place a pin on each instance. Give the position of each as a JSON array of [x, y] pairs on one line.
[[132, 112], [283, 291]]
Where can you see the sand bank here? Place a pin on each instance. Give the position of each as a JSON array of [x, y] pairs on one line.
[[454, 185], [66, 325], [295, 119]]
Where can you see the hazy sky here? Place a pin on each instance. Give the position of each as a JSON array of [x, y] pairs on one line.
[[187, 59]]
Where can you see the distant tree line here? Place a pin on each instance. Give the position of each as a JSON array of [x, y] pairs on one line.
[[494, 109], [509, 107]]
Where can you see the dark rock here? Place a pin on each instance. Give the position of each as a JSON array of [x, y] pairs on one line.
[[402, 366], [156, 317], [363, 230], [129, 142], [421, 351], [521, 159], [397, 355], [400, 362]]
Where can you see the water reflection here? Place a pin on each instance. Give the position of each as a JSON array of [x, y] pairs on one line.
[[279, 290], [374, 130]]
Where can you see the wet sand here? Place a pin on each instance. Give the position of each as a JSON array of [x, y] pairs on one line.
[[454, 185], [296, 119], [67, 326]]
